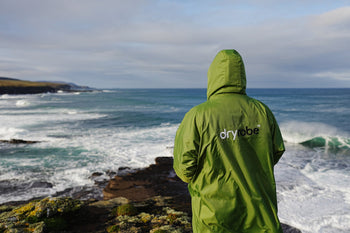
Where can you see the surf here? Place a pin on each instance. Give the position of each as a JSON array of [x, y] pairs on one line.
[[316, 135], [333, 144]]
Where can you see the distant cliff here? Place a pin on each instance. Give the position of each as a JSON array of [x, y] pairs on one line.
[[16, 86]]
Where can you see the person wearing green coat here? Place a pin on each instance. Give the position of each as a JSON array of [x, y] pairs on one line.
[[226, 149]]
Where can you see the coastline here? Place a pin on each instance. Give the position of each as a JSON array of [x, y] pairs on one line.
[[152, 191], [12, 86], [117, 128]]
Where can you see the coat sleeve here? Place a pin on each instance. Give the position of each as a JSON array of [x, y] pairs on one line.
[[277, 140], [186, 148]]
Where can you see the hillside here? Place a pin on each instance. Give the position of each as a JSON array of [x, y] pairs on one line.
[[16, 86]]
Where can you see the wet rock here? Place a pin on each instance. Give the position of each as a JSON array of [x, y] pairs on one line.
[[288, 229], [110, 173], [164, 161], [18, 141], [95, 174], [157, 180], [40, 184]]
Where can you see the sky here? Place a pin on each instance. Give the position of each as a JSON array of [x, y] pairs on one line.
[[171, 43]]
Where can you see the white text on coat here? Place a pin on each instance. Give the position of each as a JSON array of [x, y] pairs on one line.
[[226, 134]]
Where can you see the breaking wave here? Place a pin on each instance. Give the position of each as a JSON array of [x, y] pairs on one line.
[[316, 135]]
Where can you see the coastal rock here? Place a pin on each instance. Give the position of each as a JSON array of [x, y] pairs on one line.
[[114, 215], [18, 141], [111, 203], [168, 212], [46, 215], [157, 180], [156, 219], [31, 90]]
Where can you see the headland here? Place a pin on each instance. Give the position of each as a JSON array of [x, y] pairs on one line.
[[12, 86]]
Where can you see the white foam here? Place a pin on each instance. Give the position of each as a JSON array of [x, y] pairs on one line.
[[36, 124], [297, 132], [8, 174], [336, 180], [5, 96], [311, 190], [22, 103], [7, 133], [70, 177], [319, 208], [136, 147], [109, 91], [25, 195], [101, 150]]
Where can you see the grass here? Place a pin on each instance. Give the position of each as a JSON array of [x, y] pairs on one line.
[[20, 83]]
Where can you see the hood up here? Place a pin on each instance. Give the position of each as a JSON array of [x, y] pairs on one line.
[[226, 74]]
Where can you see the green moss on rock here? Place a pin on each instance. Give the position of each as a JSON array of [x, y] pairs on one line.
[[127, 209], [158, 231], [155, 220], [56, 224], [46, 215], [114, 228]]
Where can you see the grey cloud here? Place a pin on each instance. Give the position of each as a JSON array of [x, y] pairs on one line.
[[298, 51], [168, 44]]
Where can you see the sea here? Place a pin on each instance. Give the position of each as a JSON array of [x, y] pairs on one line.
[[84, 138]]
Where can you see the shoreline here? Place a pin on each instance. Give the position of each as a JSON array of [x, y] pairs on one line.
[[155, 187], [10, 86]]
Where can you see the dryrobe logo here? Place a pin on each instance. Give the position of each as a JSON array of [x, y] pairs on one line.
[[233, 134]]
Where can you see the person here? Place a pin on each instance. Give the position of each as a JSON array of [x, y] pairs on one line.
[[226, 149]]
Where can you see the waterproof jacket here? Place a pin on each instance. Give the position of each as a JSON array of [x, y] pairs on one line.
[[226, 149]]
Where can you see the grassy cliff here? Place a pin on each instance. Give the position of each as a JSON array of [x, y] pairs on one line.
[[16, 86]]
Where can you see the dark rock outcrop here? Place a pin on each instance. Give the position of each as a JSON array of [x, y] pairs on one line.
[[157, 179], [13, 90], [18, 141]]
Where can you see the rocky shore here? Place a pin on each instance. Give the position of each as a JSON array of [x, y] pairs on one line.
[[152, 199]]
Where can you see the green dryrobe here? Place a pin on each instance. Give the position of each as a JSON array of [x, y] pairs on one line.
[[226, 149]]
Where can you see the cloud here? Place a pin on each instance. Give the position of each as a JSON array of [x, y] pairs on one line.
[[299, 49], [171, 43], [342, 76]]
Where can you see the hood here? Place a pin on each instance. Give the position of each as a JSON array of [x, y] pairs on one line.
[[226, 74]]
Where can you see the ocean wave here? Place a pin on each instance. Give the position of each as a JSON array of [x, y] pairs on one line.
[[5, 96], [328, 142], [22, 103], [7, 133], [63, 163], [109, 91], [316, 135]]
